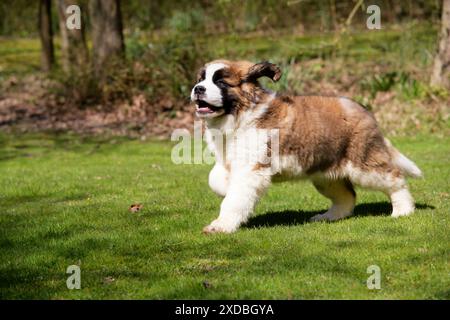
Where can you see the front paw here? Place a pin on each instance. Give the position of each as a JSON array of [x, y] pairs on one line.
[[218, 227]]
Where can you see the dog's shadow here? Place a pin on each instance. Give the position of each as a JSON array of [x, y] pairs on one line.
[[296, 217]]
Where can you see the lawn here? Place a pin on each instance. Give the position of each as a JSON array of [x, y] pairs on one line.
[[64, 200]]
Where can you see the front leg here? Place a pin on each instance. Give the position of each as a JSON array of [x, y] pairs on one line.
[[244, 190], [219, 179]]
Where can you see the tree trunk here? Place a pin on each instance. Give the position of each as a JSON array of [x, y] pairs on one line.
[[107, 36], [46, 35], [333, 15], [74, 51], [441, 67]]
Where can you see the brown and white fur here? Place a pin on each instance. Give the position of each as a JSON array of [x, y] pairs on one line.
[[333, 141]]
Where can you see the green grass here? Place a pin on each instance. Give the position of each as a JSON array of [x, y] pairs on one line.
[[64, 201], [22, 56], [19, 56]]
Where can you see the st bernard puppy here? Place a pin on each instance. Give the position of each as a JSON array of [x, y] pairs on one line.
[[333, 141]]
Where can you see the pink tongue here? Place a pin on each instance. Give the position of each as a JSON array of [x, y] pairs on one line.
[[204, 109]]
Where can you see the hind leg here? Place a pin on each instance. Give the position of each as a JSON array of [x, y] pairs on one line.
[[402, 202], [342, 195], [392, 183]]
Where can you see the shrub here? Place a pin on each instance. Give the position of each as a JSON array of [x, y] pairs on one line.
[[407, 87], [377, 83]]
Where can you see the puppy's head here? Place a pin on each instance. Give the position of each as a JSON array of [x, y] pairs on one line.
[[222, 84]]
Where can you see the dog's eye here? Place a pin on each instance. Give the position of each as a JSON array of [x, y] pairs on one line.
[[222, 82], [218, 78]]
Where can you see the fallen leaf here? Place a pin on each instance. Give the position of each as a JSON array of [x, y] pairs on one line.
[[109, 280], [135, 207]]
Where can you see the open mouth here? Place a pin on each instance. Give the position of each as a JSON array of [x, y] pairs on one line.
[[205, 108]]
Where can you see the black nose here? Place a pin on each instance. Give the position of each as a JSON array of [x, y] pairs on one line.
[[199, 90]]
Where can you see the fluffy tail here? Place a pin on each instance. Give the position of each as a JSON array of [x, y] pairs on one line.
[[406, 166]]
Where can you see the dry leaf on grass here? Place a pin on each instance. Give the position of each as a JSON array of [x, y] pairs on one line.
[[135, 207], [108, 280]]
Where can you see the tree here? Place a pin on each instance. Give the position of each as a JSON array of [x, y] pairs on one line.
[[107, 35], [74, 51], [46, 35], [441, 67]]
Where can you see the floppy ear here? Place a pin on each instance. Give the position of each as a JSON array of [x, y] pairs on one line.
[[263, 69]]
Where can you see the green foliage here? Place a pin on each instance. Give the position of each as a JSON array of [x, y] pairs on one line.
[[65, 201], [134, 45], [407, 87], [174, 62], [18, 18], [411, 88], [186, 21], [376, 83]]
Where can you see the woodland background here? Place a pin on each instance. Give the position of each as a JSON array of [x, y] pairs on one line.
[[130, 68]]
